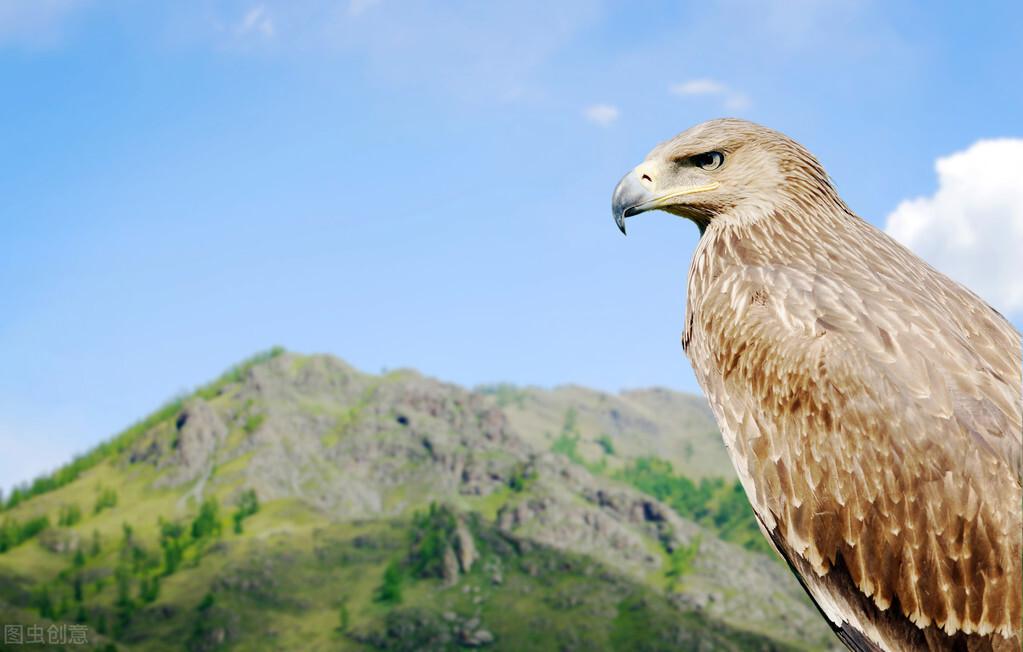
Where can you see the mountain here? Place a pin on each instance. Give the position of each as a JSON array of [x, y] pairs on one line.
[[298, 503]]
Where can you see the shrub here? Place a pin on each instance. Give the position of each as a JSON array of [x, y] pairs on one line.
[[681, 562], [207, 523], [253, 422], [172, 541], [248, 504], [206, 603], [343, 618], [389, 591], [107, 499], [521, 477], [149, 588], [34, 526], [566, 445], [13, 533], [714, 502], [432, 533], [69, 515], [43, 602]]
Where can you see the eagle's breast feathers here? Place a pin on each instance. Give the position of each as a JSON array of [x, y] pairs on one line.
[[872, 409]]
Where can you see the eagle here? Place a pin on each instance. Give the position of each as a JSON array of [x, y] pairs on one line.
[[871, 405]]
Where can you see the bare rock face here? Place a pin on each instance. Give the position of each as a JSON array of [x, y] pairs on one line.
[[559, 520], [466, 546], [200, 431], [352, 445], [450, 567]]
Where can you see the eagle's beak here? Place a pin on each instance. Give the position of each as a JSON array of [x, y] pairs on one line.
[[630, 198]]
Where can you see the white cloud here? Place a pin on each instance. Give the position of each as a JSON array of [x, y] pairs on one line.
[[972, 227], [731, 99], [699, 87], [601, 114], [257, 21]]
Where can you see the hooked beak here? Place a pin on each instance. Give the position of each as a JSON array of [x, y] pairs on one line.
[[632, 198], [628, 198]]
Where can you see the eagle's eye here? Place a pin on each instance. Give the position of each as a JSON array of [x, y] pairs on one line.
[[709, 160]]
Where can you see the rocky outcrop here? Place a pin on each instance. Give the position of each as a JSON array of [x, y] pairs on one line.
[[465, 546], [60, 540], [199, 431]]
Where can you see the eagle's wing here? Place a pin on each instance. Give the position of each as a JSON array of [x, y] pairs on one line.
[[880, 430]]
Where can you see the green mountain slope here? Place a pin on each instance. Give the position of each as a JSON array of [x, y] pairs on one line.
[[653, 422], [297, 503]]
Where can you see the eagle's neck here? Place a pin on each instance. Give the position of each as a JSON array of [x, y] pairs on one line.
[[801, 233]]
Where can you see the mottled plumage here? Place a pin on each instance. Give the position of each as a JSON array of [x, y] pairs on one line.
[[871, 405]]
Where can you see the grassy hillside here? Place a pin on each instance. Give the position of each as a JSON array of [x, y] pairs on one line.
[[675, 427], [296, 503]]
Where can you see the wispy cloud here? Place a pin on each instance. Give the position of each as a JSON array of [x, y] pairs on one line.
[[699, 87], [257, 21], [480, 52], [731, 99], [602, 115], [972, 227]]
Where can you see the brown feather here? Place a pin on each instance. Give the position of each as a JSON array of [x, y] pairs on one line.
[[871, 406]]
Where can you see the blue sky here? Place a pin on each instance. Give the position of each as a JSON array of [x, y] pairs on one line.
[[410, 184]]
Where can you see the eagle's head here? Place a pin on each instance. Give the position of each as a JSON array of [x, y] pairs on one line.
[[721, 167]]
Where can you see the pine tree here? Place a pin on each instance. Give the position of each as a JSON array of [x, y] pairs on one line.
[[343, 616], [44, 603], [389, 591]]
